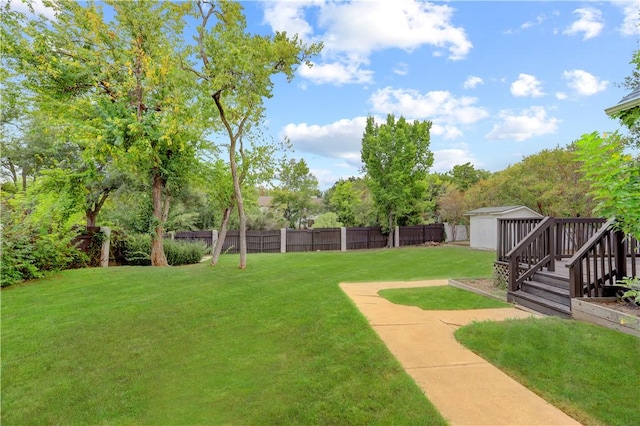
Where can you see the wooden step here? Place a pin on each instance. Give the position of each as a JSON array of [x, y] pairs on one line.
[[552, 278], [539, 304], [547, 291]]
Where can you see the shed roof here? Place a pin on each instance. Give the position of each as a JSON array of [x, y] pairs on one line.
[[496, 211], [629, 101]]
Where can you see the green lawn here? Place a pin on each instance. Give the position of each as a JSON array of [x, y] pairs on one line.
[[589, 372], [278, 343], [442, 298]]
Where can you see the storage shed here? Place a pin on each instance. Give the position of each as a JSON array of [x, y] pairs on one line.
[[484, 223]]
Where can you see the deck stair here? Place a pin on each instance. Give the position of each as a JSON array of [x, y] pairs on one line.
[[550, 261], [546, 292]]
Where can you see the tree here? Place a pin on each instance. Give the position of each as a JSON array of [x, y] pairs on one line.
[[614, 176], [630, 118], [236, 73], [463, 176], [119, 88], [327, 220], [396, 158], [351, 200], [293, 196], [451, 207], [549, 182]]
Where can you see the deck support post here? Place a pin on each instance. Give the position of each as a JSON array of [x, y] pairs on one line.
[[551, 266], [620, 255]]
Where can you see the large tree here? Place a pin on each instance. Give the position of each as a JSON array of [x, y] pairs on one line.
[[351, 200], [118, 87], [550, 182], [235, 76], [293, 195], [396, 159]]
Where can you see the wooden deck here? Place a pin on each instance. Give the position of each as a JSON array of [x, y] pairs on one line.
[[550, 261]]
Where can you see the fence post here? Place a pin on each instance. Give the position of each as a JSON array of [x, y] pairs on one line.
[[104, 250], [343, 239], [172, 235], [214, 239], [283, 240], [396, 237]]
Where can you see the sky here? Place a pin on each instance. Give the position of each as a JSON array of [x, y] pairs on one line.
[[499, 80]]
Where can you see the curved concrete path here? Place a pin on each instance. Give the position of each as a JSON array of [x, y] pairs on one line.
[[465, 388]]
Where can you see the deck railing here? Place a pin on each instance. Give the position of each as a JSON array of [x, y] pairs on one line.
[[573, 233], [532, 253], [601, 261], [511, 232], [528, 245]]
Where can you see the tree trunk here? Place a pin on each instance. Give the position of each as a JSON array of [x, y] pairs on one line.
[[241, 215], [158, 257], [223, 234], [391, 232], [91, 216], [24, 179]]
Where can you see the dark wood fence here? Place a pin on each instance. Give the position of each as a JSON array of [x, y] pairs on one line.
[[257, 242], [366, 238], [204, 236], [319, 239], [415, 235]]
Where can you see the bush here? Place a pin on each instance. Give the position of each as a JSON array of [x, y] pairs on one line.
[[184, 253], [29, 250], [137, 251]]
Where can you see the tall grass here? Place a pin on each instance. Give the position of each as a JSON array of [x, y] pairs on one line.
[[278, 343]]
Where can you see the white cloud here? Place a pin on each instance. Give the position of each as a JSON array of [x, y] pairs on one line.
[[631, 22], [351, 31], [561, 96], [584, 83], [401, 68], [287, 16], [337, 73], [405, 24], [339, 140], [447, 132], [472, 81], [445, 159], [38, 8], [590, 23], [441, 107], [526, 85], [525, 125], [539, 20]]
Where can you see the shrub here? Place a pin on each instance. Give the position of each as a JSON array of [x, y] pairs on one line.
[[29, 250], [184, 253], [137, 251]]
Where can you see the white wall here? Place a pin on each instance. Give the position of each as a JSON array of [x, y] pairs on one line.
[[484, 232], [461, 233]]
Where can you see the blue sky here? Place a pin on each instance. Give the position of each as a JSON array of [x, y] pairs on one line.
[[499, 80]]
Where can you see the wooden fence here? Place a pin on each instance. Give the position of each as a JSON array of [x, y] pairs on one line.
[[301, 240]]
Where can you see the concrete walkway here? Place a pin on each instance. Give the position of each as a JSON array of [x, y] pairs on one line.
[[466, 389]]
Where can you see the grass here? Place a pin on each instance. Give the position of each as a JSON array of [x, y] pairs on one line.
[[589, 372], [278, 343], [441, 298]]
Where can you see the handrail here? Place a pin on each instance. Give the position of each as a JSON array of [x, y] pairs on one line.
[[510, 233], [534, 251], [592, 266], [590, 243]]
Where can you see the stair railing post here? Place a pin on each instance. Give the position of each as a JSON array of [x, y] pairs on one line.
[[620, 256], [513, 272], [552, 246]]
